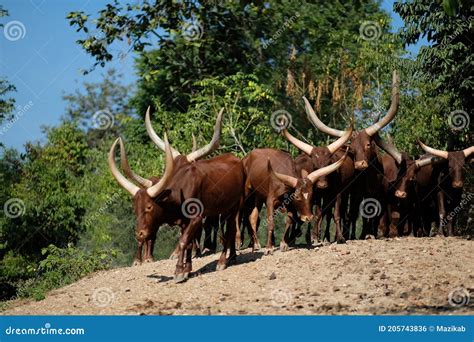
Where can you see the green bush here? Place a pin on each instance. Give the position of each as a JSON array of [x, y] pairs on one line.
[[63, 266]]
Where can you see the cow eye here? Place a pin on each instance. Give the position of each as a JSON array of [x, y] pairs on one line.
[[149, 207]]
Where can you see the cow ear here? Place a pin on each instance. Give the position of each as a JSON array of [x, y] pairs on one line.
[[304, 173], [162, 196]]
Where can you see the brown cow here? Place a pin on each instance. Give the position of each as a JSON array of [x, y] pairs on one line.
[[367, 184], [450, 182], [146, 230], [399, 197], [215, 186], [191, 189], [145, 234], [333, 192], [272, 179]]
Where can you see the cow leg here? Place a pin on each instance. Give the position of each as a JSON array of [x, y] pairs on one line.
[[316, 232], [188, 264], [215, 230], [138, 256], [337, 220], [254, 220], [229, 242], [270, 226], [345, 216], [442, 214], [394, 222], [196, 247], [186, 238], [289, 222], [207, 227], [150, 243]]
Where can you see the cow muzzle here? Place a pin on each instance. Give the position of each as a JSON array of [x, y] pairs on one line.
[[361, 165], [458, 184], [400, 194], [322, 184], [306, 218], [141, 234]]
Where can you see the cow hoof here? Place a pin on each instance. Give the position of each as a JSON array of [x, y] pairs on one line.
[[179, 278], [256, 247], [283, 247], [268, 251], [221, 267], [341, 240], [136, 262], [369, 237], [148, 260], [186, 275]]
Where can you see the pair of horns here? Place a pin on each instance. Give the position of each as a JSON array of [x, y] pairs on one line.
[[307, 148], [196, 153], [152, 190], [371, 130], [313, 176], [390, 148], [444, 154]]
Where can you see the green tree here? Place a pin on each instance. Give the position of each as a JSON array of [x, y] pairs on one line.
[[447, 63]]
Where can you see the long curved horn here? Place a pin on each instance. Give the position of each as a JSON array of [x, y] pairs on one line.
[[313, 176], [285, 179], [194, 143], [124, 182], [128, 171], [433, 151], [425, 161], [154, 137], [333, 147], [389, 148], [371, 130], [301, 145], [318, 123], [154, 190], [213, 145], [468, 151]]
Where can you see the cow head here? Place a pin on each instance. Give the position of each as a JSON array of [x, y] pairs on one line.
[[320, 156], [302, 188], [456, 161], [407, 167], [148, 213], [362, 141]]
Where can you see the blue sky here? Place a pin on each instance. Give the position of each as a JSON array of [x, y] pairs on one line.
[[47, 62]]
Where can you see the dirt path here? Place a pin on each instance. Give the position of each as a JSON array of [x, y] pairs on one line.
[[401, 276]]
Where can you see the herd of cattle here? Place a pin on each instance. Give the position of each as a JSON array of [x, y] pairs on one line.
[[395, 194]]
